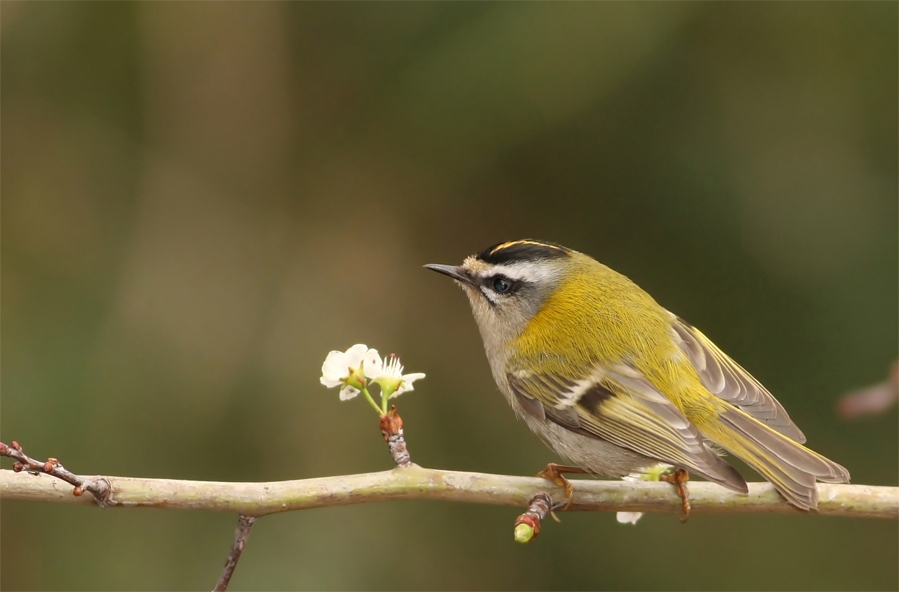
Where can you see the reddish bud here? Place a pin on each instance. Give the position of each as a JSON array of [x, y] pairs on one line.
[[391, 423], [77, 491], [389, 426], [18, 467], [4, 449], [16, 446]]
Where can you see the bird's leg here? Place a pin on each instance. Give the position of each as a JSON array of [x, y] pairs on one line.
[[553, 472], [679, 478]]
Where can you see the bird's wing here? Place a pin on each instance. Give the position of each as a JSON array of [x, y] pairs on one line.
[[726, 379], [620, 406]]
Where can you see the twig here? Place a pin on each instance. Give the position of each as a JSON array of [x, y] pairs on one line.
[[527, 525], [871, 400], [97, 486], [392, 430], [414, 482], [241, 534]]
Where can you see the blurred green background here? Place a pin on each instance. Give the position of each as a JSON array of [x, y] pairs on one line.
[[201, 200]]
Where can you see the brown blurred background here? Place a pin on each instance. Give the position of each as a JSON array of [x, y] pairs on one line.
[[200, 200]]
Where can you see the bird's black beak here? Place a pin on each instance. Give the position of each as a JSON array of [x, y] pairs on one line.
[[454, 271]]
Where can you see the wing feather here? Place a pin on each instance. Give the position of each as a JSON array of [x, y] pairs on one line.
[[626, 410], [729, 381]]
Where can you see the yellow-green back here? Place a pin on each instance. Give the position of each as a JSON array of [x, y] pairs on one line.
[[599, 317]]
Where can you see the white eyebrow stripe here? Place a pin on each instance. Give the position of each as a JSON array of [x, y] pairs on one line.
[[527, 271]]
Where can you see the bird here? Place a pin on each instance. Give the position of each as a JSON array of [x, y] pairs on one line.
[[617, 385]]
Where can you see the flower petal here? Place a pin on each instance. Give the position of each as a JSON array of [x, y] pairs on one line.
[[410, 378], [372, 364], [355, 354], [330, 382], [406, 385], [335, 368], [628, 517], [348, 392]]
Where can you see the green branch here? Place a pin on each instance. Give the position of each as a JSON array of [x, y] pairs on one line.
[[414, 482]]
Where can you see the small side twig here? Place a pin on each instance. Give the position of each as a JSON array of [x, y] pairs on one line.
[[527, 525], [392, 430], [98, 487], [871, 400], [241, 534]]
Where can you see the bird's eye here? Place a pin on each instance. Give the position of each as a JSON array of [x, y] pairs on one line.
[[501, 285]]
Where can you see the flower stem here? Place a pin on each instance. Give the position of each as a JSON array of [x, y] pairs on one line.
[[371, 401]]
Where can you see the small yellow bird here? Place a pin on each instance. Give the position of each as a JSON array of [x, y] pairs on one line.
[[616, 384]]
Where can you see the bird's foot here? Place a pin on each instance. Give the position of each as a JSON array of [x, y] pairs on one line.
[[553, 472], [679, 478]]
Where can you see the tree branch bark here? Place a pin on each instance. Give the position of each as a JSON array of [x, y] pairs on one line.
[[414, 482]]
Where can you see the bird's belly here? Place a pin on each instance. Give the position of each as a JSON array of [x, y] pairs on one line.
[[597, 456]]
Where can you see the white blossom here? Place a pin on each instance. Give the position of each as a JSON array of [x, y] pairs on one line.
[[631, 517], [391, 378], [628, 517], [350, 368], [650, 473]]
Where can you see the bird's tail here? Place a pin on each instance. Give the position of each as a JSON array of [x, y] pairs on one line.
[[789, 466]]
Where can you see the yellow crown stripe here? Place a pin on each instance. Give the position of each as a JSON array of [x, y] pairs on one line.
[[523, 242]]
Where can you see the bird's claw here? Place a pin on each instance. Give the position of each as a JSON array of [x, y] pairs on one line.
[[679, 479], [553, 472]]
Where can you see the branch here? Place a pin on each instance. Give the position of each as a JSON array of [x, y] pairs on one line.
[[98, 486], [415, 482], [241, 534], [32, 480]]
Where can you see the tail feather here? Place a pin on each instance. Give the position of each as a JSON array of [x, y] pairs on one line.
[[789, 466]]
